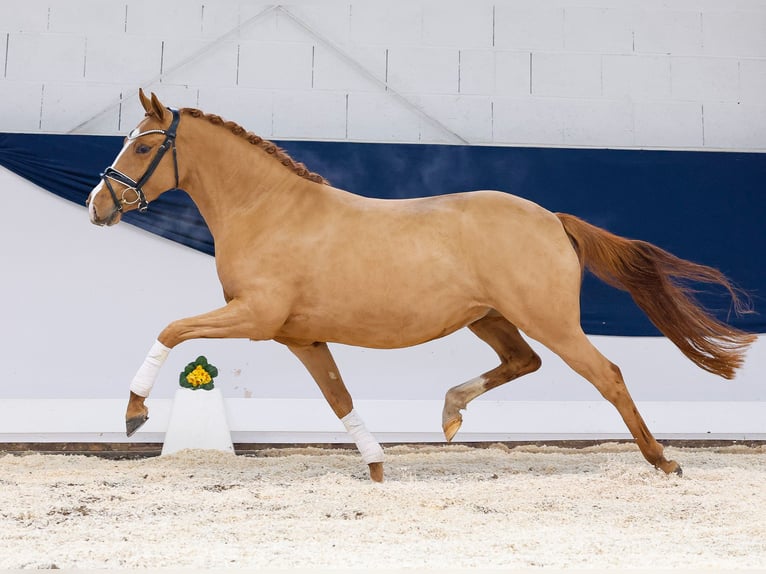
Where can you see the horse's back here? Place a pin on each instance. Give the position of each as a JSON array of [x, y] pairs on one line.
[[489, 210], [478, 240]]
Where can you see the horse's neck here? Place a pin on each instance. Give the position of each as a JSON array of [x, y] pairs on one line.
[[233, 183]]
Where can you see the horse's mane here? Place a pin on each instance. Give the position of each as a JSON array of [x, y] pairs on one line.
[[269, 147]]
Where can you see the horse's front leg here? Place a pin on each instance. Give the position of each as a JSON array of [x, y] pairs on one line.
[[137, 413], [237, 319], [318, 361]]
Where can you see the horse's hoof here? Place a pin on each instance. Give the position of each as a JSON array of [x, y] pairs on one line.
[[451, 427], [376, 471], [672, 467], [135, 423]]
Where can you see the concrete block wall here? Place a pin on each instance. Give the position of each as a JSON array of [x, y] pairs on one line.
[[689, 74]]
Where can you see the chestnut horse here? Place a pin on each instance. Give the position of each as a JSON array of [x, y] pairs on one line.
[[304, 263]]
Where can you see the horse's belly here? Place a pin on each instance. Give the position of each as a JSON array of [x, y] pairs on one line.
[[381, 328]]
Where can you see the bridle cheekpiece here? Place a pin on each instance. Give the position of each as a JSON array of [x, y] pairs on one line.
[[112, 174]]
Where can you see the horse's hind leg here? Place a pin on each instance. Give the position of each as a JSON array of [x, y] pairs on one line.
[[580, 354], [516, 359], [318, 361]]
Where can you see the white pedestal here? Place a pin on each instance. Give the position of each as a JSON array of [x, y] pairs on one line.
[[197, 420]]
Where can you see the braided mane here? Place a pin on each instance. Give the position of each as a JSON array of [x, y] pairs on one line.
[[269, 147]]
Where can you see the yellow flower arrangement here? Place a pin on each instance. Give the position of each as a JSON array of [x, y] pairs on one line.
[[198, 374], [198, 377]]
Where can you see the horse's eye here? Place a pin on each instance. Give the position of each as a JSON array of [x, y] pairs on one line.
[[142, 148]]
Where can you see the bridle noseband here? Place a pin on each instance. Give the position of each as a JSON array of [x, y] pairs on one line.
[[113, 174]]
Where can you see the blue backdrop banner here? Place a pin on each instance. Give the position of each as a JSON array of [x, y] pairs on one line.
[[708, 207]]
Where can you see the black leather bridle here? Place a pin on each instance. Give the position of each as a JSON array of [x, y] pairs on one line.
[[111, 174]]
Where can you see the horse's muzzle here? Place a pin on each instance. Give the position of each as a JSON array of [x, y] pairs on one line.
[[96, 214], [112, 218]]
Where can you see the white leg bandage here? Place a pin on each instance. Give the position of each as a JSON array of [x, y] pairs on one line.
[[365, 442], [144, 380]]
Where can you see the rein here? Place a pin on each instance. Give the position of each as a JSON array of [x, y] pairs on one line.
[[111, 174]]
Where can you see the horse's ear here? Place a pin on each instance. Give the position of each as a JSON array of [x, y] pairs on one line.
[[158, 109], [145, 102]]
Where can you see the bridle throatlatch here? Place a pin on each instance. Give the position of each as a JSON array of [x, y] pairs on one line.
[[111, 174]]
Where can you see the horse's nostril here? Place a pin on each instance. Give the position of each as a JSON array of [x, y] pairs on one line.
[[93, 213]]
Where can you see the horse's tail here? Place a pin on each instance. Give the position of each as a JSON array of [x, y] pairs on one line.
[[655, 279]]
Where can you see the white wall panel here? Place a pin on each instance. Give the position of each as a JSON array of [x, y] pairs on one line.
[[706, 79], [636, 77], [377, 23], [50, 57], [334, 72], [71, 17], [469, 116], [379, 116], [469, 26], [668, 124], [667, 32], [194, 61], [512, 73], [257, 22], [218, 18], [289, 28], [532, 120], [331, 20], [729, 124], [295, 115], [62, 102], [21, 103], [584, 125], [423, 70], [752, 81], [566, 122], [251, 108], [28, 16], [127, 58], [4, 40], [477, 72], [529, 25], [735, 33], [494, 72], [161, 19], [566, 75], [274, 65], [603, 30]]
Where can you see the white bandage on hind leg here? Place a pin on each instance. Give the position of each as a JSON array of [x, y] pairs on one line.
[[365, 442], [146, 375]]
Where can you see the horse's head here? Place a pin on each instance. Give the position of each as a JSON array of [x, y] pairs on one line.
[[143, 170]]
